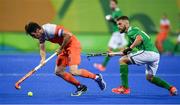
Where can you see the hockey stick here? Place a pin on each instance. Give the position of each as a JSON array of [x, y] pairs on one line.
[[104, 54], [17, 84]]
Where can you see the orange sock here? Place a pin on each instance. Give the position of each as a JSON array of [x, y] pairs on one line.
[[69, 78], [87, 74]]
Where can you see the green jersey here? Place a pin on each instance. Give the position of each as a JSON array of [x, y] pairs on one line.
[[146, 44], [115, 14]]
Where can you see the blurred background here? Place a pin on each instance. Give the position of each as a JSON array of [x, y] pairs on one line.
[[86, 19]]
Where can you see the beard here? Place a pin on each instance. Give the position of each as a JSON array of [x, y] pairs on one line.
[[123, 30]]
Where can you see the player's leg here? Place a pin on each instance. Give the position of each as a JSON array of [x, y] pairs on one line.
[[136, 58], [81, 72], [61, 64], [107, 58], [102, 67], [60, 71], [111, 45], [87, 74], [116, 42], [161, 83], [74, 59], [124, 88], [151, 69]]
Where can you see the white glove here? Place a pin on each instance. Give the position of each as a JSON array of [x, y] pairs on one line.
[[108, 17]]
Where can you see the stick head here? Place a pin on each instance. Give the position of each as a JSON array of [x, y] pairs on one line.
[[17, 86]]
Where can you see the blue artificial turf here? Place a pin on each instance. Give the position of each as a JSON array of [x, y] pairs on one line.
[[47, 88]]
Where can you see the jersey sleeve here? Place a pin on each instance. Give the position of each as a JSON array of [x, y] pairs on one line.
[[52, 31], [59, 31], [49, 28], [133, 33]]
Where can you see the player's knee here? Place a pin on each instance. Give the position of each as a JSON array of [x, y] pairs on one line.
[[59, 73], [149, 77], [59, 70], [74, 72], [123, 60]]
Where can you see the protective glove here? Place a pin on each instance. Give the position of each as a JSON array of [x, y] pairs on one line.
[[127, 51]]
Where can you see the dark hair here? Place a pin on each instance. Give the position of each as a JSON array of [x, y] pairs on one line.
[[31, 27], [122, 18], [115, 1]]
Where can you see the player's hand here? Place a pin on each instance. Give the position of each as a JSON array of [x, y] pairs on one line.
[[127, 51], [108, 17], [58, 51], [110, 53]]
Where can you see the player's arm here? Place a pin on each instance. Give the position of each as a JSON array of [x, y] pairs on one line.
[[42, 52], [136, 42], [66, 36]]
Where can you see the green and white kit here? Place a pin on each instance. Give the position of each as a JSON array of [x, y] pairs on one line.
[[147, 53]]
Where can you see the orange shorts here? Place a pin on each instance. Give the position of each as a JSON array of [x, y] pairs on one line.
[[70, 55]]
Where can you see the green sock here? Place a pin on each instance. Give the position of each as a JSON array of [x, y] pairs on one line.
[[124, 75], [159, 82], [107, 58]]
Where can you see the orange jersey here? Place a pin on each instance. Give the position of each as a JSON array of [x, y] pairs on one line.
[[53, 33], [164, 29], [71, 52]]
